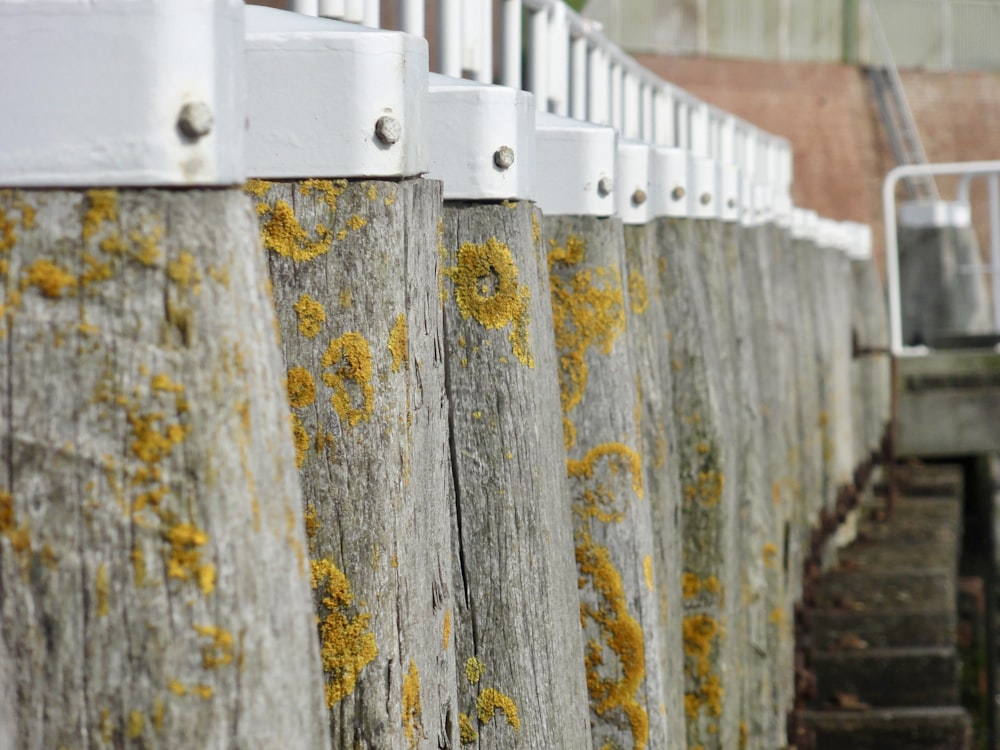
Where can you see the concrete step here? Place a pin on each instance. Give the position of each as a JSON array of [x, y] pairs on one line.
[[944, 728], [883, 589], [884, 677], [845, 630]]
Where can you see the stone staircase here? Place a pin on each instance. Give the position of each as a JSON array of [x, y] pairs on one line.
[[882, 634]]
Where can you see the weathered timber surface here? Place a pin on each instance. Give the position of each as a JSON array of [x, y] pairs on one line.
[[871, 390], [772, 367], [839, 305], [649, 340], [518, 643], [154, 586], [354, 269], [619, 607], [709, 512]]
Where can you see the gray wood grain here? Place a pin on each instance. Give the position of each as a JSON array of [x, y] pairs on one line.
[[517, 613], [354, 269], [649, 339], [709, 512], [154, 589], [614, 523]]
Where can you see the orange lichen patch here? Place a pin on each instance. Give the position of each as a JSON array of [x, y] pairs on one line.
[[347, 365], [569, 433], [311, 522], [51, 280], [412, 710], [447, 627], [150, 445], [183, 271], [149, 245], [329, 190], [346, 647], [101, 588], [777, 616], [159, 709], [103, 208], [474, 670], [138, 566], [184, 561], [310, 314], [399, 342], [283, 235], [136, 723], [467, 733], [162, 382], [355, 222], [19, 536], [691, 585], [256, 188], [600, 501], [94, 270], [485, 279], [536, 230], [371, 191], [492, 700], [300, 439], [621, 635], [176, 687], [647, 571], [8, 232], [707, 487], [770, 554], [219, 652], [205, 692], [587, 311], [301, 388], [638, 294]]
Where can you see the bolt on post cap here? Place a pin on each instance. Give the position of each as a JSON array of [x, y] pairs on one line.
[[503, 157], [388, 130], [195, 120]]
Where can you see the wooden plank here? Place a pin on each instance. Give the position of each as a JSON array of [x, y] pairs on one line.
[[614, 524], [155, 588], [354, 269], [517, 627], [649, 340], [870, 318], [709, 513]]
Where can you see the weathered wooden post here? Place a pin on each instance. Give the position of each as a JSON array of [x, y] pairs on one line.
[[619, 608], [153, 581], [517, 624], [354, 266], [709, 516], [649, 341]]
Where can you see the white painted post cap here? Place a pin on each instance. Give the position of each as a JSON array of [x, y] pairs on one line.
[[860, 241], [730, 193], [482, 140], [634, 181], [704, 199], [333, 99], [121, 93], [672, 168], [577, 167]]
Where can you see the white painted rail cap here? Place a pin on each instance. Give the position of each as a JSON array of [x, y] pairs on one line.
[[748, 212], [805, 225], [333, 99], [482, 140], [634, 181], [931, 214], [672, 168], [705, 195], [121, 93], [784, 209], [763, 203], [860, 247], [577, 166], [730, 193]]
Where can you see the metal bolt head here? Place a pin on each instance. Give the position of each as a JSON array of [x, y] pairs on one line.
[[195, 120], [388, 130], [503, 157], [639, 196], [731, 204], [604, 186], [678, 193], [705, 199]]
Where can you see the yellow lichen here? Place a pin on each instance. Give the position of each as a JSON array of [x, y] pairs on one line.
[[138, 566], [485, 280], [183, 271], [176, 687], [371, 191], [310, 314], [355, 222], [770, 554], [491, 700], [398, 342], [474, 670], [346, 646], [162, 382], [94, 270], [311, 522], [257, 188], [205, 692], [638, 295], [101, 588], [412, 726], [149, 245], [184, 561], [447, 627], [587, 311], [569, 433], [159, 708], [51, 280], [103, 207], [301, 388], [283, 234], [600, 500], [621, 635], [348, 360], [219, 652], [329, 190], [136, 723], [777, 616], [647, 571], [467, 733], [300, 439], [709, 482]]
